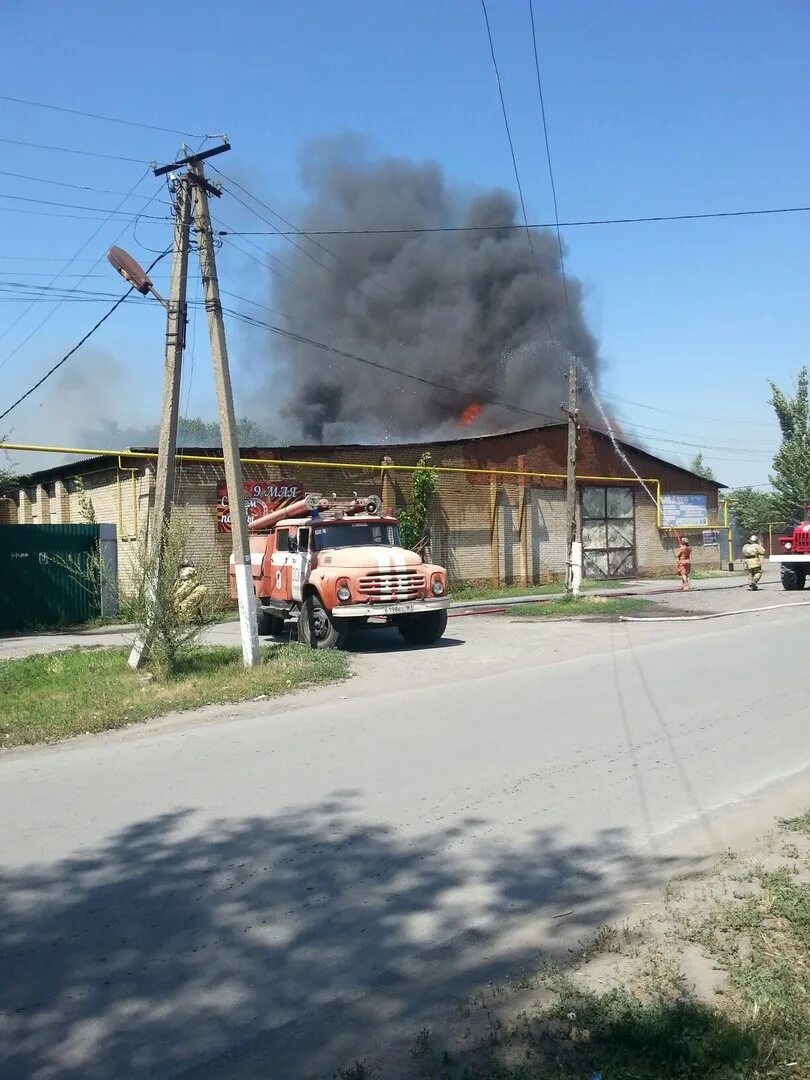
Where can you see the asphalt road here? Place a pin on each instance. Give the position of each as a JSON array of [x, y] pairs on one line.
[[268, 890]]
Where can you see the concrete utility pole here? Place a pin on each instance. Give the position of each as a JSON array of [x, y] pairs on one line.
[[573, 577], [227, 419], [170, 408]]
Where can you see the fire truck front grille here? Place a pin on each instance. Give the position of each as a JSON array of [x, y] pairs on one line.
[[388, 585]]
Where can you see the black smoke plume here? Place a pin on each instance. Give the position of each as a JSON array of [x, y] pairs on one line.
[[472, 311]]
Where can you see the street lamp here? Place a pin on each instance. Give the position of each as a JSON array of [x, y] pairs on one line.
[[131, 271]]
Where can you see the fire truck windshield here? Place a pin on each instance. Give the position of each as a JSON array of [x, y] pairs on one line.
[[355, 534]]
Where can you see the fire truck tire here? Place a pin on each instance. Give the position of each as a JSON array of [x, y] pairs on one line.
[[792, 577], [317, 629], [424, 629]]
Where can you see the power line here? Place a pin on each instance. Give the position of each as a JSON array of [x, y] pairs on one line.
[[77, 206], [67, 184], [71, 150], [509, 139], [56, 276], [433, 383], [251, 320], [297, 232], [108, 119], [548, 154], [77, 346], [687, 416], [765, 211]]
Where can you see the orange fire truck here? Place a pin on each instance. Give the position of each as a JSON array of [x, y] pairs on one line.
[[332, 565]]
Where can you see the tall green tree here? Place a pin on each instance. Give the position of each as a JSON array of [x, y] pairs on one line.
[[791, 466], [752, 509], [700, 466]]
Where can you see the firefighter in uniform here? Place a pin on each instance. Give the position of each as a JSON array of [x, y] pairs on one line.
[[190, 593], [753, 553]]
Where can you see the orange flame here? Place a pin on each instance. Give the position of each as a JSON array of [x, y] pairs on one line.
[[470, 414]]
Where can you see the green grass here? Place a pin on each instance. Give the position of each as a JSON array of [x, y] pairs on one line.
[[56, 695], [591, 606], [749, 1021], [757, 1028], [797, 824], [464, 590]]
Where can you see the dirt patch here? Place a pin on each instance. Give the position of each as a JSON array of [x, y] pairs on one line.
[[709, 983]]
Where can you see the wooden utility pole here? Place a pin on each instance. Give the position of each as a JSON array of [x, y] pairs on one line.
[[573, 577], [227, 419], [170, 408]]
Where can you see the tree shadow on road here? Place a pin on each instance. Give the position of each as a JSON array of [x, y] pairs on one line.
[[288, 937]]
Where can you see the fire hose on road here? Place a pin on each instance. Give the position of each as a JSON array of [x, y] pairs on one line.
[[710, 615]]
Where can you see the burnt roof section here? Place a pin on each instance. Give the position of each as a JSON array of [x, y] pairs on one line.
[[110, 460]]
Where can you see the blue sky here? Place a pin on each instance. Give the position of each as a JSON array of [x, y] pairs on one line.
[[653, 108]]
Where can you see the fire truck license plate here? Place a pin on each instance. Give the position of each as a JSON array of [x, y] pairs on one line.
[[400, 609]]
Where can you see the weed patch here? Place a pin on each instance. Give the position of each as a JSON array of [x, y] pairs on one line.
[[53, 696]]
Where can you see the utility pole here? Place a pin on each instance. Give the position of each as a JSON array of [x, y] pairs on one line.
[[227, 419], [573, 577], [192, 190], [170, 407]]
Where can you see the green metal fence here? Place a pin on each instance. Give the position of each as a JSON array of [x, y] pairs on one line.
[[48, 576]]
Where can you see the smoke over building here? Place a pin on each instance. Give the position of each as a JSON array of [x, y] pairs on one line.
[[469, 310]]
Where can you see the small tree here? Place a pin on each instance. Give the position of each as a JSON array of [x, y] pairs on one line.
[[791, 466], [87, 512], [10, 482], [155, 602], [752, 509], [700, 466], [413, 519]]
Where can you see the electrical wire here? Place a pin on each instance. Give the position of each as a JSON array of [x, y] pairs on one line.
[[434, 383], [709, 215], [298, 232], [107, 119], [71, 150], [509, 140], [67, 184], [56, 276], [78, 345], [76, 206], [687, 416], [548, 154]]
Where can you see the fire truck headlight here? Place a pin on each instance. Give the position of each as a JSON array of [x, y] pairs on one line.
[[437, 586], [788, 546], [344, 593]]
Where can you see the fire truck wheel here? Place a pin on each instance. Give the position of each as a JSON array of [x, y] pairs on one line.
[[792, 578], [424, 629], [317, 629]]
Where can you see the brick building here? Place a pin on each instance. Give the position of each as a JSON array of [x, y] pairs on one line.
[[498, 513]]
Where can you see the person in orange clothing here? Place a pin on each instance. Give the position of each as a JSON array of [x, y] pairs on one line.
[[683, 561]]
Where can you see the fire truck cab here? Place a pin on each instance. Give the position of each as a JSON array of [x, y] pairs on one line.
[[333, 565], [794, 554]]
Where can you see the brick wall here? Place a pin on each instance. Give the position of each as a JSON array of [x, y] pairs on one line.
[[480, 526]]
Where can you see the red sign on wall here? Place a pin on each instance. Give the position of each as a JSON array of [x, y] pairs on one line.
[[260, 499]]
